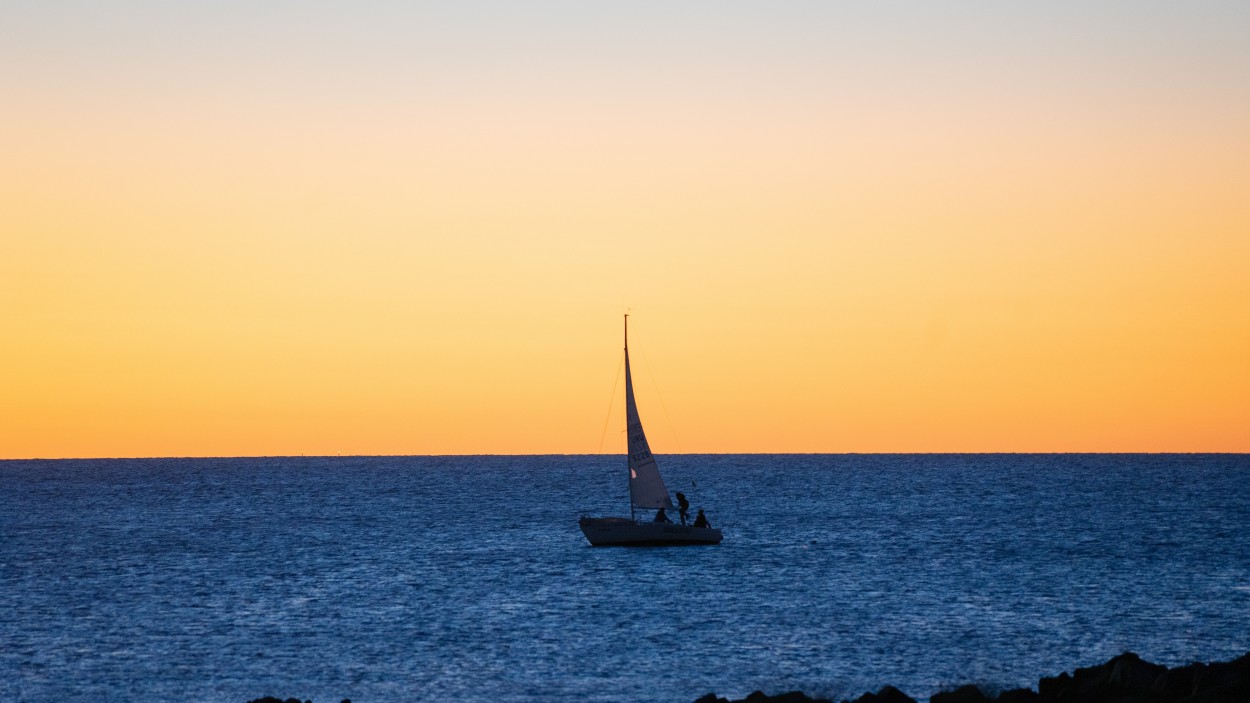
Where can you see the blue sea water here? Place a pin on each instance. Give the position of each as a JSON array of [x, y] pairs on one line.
[[466, 578]]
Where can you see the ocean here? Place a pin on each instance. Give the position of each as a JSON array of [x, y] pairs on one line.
[[454, 579]]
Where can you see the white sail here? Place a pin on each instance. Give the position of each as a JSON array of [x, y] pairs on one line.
[[646, 487]]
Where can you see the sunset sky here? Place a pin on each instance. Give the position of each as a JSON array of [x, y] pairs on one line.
[[273, 228]]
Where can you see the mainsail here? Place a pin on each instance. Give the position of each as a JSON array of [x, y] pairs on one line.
[[646, 487]]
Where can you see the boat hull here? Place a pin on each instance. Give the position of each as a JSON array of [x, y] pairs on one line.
[[623, 532]]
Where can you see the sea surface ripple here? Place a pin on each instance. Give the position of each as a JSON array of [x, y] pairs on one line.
[[466, 578]]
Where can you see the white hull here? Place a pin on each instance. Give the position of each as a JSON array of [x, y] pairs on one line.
[[623, 532]]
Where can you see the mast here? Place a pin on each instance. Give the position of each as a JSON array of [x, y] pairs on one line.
[[628, 471]]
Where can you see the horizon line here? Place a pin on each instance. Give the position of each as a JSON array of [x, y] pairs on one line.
[[612, 454]]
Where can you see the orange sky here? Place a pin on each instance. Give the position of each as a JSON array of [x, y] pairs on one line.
[[414, 231]]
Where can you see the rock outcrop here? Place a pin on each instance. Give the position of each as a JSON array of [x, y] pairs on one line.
[[1124, 679]]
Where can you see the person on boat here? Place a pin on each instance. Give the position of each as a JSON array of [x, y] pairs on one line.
[[661, 517], [700, 520], [683, 506]]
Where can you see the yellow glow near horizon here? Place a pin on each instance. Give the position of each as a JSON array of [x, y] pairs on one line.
[[1001, 258]]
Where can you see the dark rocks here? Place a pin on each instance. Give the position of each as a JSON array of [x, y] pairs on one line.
[[1018, 695], [1130, 679], [1178, 683], [1126, 678], [963, 694], [1222, 682], [791, 697], [1131, 672], [889, 694], [761, 697], [1051, 688]]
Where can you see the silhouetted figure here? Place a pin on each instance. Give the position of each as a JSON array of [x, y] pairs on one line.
[[661, 517], [683, 506], [700, 520]]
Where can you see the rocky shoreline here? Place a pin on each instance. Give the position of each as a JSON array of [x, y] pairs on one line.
[[1124, 679]]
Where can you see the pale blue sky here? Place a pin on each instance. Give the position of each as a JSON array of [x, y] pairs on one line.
[[127, 40]]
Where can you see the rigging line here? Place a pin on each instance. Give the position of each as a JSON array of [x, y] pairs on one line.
[[611, 401], [671, 429]]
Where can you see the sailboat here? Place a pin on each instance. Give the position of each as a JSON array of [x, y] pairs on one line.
[[646, 492]]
